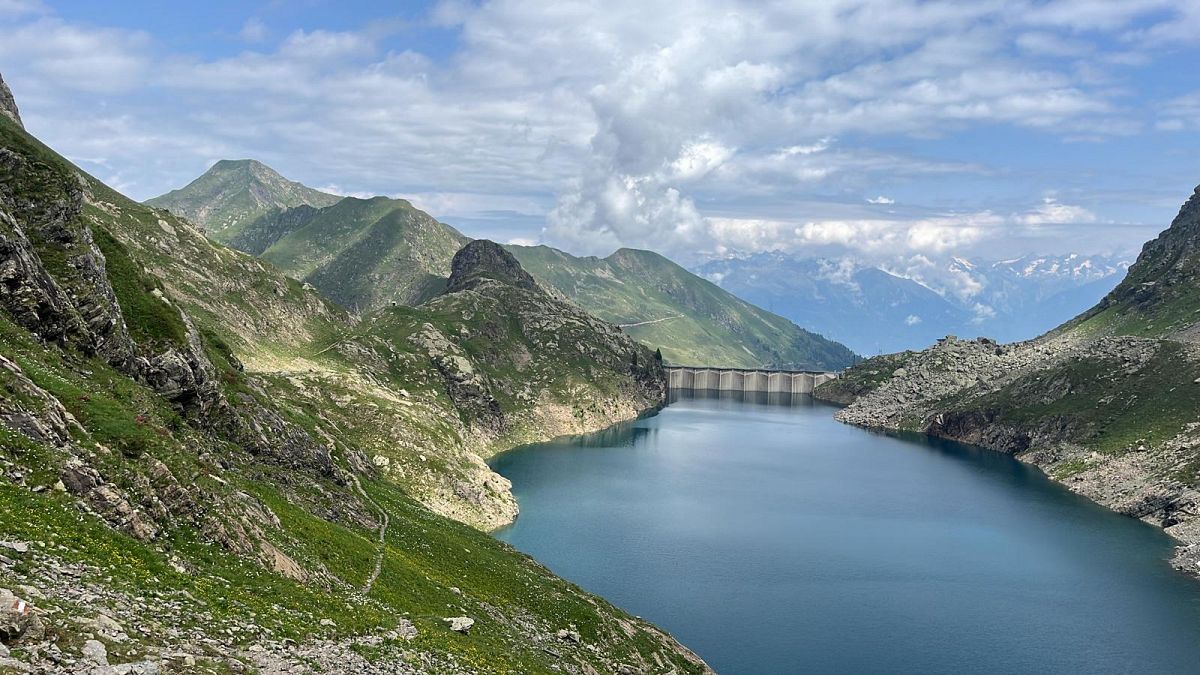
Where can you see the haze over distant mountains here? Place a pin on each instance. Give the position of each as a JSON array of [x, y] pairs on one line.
[[875, 309]]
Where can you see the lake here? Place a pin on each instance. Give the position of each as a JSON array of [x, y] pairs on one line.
[[769, 538]]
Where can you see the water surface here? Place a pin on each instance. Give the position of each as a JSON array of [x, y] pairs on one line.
[[771, 539]]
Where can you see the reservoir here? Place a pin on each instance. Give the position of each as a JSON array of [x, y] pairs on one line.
[[769, 538]]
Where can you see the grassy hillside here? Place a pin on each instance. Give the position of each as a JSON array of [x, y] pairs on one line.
[[217, 460], [692, 320], [361, 253], [234, 192]]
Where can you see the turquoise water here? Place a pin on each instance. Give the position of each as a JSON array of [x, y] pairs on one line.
[[771, 539]]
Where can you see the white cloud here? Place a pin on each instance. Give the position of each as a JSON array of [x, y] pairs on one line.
[[912, 320], [18, 8], [1051, 212], [686, 127]]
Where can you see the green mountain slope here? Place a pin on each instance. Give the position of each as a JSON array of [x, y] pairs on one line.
[[234, 192], [361, 253], [1109, 402], [693, 321], [367, 254], [210, 467]]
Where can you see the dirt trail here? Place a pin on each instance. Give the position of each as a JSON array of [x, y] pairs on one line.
[[384, 521]]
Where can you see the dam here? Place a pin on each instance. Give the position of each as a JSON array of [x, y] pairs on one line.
[[745, 380]]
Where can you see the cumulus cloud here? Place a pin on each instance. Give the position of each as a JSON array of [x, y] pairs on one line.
[[912, 320], [1051, 212], [691, 128]]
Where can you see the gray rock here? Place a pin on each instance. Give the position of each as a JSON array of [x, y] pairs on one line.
[[17, 619], [8, 105], [95, 652], [461, 624]]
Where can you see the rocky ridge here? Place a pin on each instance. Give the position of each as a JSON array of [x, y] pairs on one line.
[[8, 105]]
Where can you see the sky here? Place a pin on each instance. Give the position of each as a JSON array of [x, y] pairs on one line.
[[879, 129]]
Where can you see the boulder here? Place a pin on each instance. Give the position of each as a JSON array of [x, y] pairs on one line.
[[18, 620], [95, 652], [460, 624]]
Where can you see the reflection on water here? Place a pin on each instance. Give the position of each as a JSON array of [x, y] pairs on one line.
[[772, 539], [758, 398]]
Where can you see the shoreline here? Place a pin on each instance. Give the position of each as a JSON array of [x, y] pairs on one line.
[[1122, 485]]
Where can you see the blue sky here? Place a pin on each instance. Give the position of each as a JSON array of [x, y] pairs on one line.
[[879, 129]]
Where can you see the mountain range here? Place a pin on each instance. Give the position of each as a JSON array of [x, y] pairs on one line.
[[885, 308], [210, 467], [365, 254]]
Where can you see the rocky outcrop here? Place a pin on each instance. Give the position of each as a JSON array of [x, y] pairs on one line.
[[28, 293], [8, 106], [482, 259], [109, 502]]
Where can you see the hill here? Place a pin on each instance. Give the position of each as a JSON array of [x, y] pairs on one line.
[[234, 192], [361, 253], [692, 320], [368, 254], [210, 467], [1106, 403]]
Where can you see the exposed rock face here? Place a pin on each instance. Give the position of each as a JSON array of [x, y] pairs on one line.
[[8, 106], [482, 259]]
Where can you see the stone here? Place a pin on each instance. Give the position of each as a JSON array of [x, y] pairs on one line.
[[460, 624], [18, 546], [96, 652], [18, 619], [571, 636]]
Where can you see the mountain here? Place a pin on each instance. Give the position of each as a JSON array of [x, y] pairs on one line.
[[210, 465], [234, 192], [903, 306], [360, 253], [1106, 403], [1160, 296], [367, 254], [869, 310], [692, 321], [8, 106]]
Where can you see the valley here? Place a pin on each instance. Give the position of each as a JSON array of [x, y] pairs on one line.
[[458, 338]]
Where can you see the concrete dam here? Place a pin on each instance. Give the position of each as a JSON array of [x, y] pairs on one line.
[[749, 381]]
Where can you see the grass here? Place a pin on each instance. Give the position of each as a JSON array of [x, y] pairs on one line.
[[1110, 407], [152, 321], [714, 327], [244, 308]]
